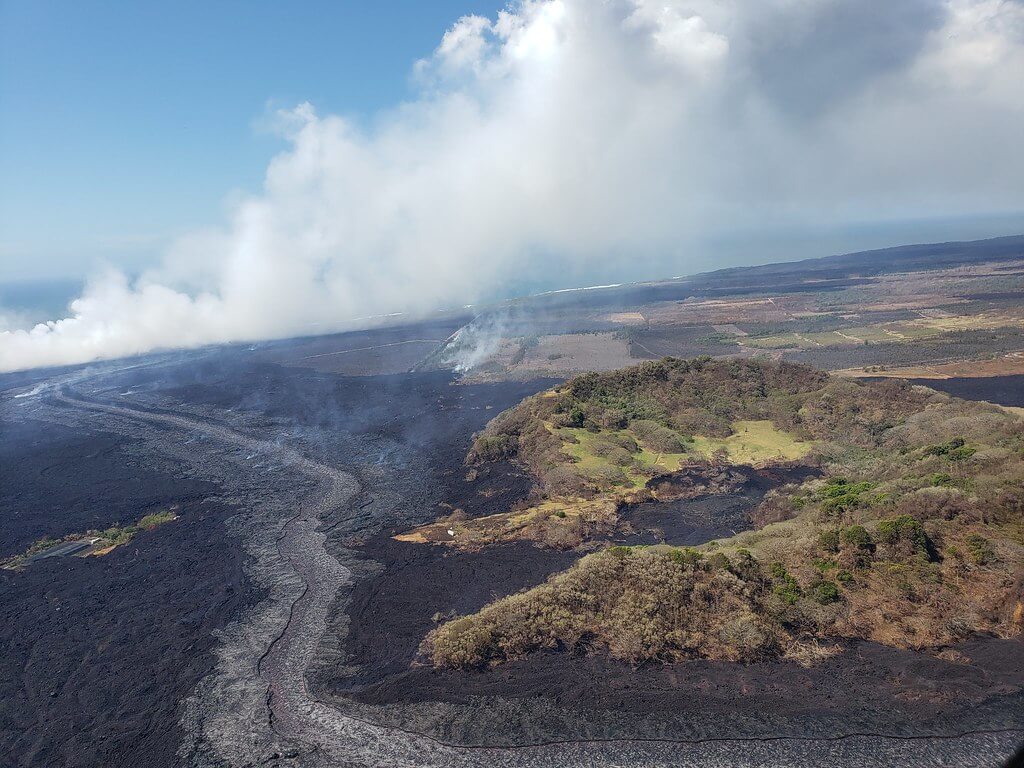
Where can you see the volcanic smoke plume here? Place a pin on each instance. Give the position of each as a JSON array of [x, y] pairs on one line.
[[565, 135]]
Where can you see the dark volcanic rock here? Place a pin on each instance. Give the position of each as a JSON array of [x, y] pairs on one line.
[[689, 515], [1004, 390], [391, 612], [97, 652], [867, 689], [57, 481]]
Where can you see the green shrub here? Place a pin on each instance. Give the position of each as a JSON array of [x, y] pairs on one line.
[[980, 549], [746, 566], [577, 416], [608, 475], [828, 540], [462, 643], [494, 447], [686, 556], [857, 537], [839, 496], [789, 591], [823, 565], [719, 562], [959, 454], [954, 450], [826, 592], [857, 546], [749, 638], [786, 587], [903, 536], [657, 437], [943, 449]]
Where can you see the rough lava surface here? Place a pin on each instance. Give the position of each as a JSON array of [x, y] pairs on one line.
[[313, 467]]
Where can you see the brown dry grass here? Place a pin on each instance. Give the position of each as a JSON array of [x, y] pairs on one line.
[[1011, 364], [558, 523]]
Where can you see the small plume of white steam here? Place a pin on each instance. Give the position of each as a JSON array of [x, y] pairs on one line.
[[472, 345]]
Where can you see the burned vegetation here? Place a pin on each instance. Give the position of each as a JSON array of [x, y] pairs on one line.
[[910, 533]]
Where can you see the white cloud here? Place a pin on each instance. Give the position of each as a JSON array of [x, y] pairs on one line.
[[565, 134], [680, 34], [463, 47]]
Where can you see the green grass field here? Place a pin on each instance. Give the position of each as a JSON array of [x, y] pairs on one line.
[[778, 341], [860, 334], [752, 442], [647, 463]]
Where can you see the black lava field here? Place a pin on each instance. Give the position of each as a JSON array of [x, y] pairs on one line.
[[276, 622]]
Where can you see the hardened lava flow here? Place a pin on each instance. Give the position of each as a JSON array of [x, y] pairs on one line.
[[256, 708]]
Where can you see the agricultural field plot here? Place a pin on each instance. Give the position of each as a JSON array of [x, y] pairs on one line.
[[859, 334], [965, 322], [577, 352], [930, 325], [729, 311], [781, 341], [679, 341], [1011, 364]]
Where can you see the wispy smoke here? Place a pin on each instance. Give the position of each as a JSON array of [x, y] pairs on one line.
[[471, 345], [567, 133]]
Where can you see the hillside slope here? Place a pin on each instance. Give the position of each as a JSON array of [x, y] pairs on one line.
[[913, 536]]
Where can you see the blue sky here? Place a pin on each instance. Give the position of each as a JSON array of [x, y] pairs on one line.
[[125, 124], [562, 143]]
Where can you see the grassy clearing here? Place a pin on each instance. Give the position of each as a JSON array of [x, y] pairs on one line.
[[756, 442], [583, 446]]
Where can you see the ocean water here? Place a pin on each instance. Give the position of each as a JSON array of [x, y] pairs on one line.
[[27, 302]]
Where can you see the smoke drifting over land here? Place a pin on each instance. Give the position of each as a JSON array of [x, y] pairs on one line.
[[566, 133]]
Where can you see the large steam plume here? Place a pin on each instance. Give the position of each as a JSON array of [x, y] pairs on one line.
[[570, 132]]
